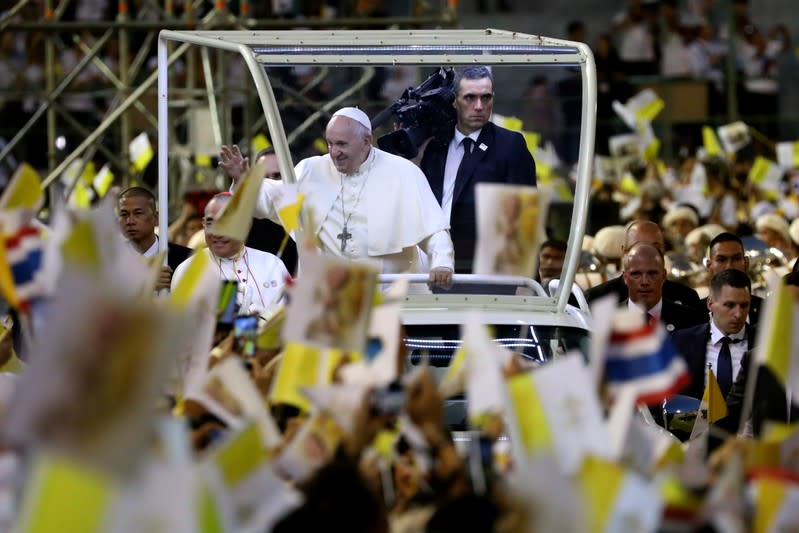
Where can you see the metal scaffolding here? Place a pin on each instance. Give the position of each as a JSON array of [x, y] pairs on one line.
[[133, 85]]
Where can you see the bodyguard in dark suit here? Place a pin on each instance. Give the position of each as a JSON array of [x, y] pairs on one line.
[[724, 339], [644, 275], [726, 250], [644, 231], [769, 400], [478, 151]]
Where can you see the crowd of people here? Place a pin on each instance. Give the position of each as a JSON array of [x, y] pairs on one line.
[[342, 439]]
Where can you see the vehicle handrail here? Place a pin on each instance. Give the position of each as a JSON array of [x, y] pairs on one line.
[[475, 279], [576, 291]]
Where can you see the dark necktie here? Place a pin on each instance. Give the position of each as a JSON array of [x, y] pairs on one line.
[[724, 366], [467, 143]]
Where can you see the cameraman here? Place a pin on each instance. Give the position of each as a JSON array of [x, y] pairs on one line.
[[491, 154]]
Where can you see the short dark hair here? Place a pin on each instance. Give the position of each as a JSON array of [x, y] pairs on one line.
[[263, 153], [554, 243], [724, 237], [139, 192], [271, 150], [729, 278], [473, 73]]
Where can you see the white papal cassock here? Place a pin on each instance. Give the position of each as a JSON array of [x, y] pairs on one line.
[[387, 207]]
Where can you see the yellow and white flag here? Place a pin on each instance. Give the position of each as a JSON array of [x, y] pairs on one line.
[[24, 190], [484, 379], [710, 142], [194, 297], [713, 399], [62, 495], [240, 455], [776, 504], [765, 174], [558, 412], [141, 152], [779, 350], [303, 366], [236, 217], [288, 204], [616, 499], [788, 154], [640, 109], [103, 180]]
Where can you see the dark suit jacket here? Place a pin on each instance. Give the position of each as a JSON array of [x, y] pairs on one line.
[[754, 308], [176, 254], [505, 159], [692, 345], [769, 400], [676, 292]]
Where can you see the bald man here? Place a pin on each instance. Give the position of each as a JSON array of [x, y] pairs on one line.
[[644, 231], [644, 276]]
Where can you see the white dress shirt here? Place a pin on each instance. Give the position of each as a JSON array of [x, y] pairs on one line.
[[152, 250], [656, 310], [454, 157], [737, 350]]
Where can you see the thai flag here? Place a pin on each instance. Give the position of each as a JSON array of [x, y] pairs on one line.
[[646, 360], [24, 256]]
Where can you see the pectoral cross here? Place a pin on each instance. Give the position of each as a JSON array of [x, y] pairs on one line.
[[344, 236]]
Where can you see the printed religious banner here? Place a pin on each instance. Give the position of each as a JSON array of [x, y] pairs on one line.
[[510, 227], [331, 303]]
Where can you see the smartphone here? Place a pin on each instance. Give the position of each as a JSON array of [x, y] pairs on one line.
[[388, 401], [227, 308], [245, 333]]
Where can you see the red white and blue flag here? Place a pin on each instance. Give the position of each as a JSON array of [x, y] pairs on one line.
[[23, 256], [646, 360]]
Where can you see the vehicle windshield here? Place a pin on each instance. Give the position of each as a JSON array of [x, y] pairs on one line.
[[436, 344]]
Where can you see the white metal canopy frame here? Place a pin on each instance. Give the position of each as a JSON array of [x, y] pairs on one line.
[[390, 47]]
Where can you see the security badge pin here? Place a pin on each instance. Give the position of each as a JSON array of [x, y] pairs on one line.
[[669, 327], [483, 147]]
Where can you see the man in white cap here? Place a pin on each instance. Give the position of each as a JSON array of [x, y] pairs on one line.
[[366, 203]]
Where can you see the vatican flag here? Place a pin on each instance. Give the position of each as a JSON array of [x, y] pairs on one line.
[[616, 499], [558, 412]]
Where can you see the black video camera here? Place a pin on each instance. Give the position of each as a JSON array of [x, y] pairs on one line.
[[423, 112]]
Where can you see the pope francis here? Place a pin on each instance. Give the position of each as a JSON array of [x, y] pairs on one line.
[[367, 203]]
